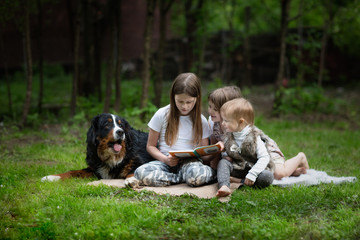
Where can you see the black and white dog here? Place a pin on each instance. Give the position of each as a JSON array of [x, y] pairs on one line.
[[114, 150]]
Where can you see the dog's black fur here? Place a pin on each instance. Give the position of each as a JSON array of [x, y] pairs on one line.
[[114, 149], [102, 137]]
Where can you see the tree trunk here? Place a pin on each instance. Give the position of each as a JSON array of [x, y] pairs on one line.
[[98, 31], [118, 64], [190, 28], [110, 67], [191, 14], [201, 60], [247, 57], [200, 40], [97, 57], [28, 63], [227, 39], [285, 7], [87, 83], [71, 23], [76, 56], [324, 41], [40, 49], [7, 79], [164, 9], [300, 66], [147, 53]]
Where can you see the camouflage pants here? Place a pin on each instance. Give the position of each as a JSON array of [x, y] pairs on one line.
[[159, 174]]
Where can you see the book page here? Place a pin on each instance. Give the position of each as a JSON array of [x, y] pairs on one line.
[[207, 150], [197, 152], [182, 153]]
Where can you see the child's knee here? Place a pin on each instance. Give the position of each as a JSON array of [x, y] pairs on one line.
[[199, 176], [147, 169], [139, 173], [264, 179], [302, 155], [144, 176], [223, 163]]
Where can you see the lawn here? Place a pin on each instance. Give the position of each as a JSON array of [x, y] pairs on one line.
[[71, 209], [31, 209]]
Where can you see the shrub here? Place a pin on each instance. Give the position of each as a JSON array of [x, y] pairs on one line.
[[298, 100]]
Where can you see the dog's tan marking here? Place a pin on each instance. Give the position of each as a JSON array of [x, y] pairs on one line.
[[125, 171], [130, 175]]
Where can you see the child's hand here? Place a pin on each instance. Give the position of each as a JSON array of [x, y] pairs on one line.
[[172, 161], [248, 182], [222, 146]]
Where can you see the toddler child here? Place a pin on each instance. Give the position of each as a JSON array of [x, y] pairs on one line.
[[254, 156]]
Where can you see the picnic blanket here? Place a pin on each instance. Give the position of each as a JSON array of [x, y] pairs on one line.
[[206, 191], [312, 177]]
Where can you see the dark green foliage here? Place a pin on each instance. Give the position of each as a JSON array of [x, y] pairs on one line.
[[312, 99]]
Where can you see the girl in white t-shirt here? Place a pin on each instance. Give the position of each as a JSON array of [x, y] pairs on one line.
[[177, 126]]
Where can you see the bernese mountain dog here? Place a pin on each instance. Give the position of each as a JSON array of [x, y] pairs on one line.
[[114, 151]]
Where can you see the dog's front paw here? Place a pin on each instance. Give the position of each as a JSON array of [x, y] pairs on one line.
[[132, 182], [50, 178]]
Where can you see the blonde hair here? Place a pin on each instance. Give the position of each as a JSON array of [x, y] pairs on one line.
[[184, 83], [239, 108], [221, 95]]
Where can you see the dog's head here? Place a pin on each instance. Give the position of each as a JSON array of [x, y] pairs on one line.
[[107, 136]]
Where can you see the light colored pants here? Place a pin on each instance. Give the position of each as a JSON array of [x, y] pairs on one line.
[[159, 174]]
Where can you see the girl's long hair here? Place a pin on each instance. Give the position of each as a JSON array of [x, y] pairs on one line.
[[187, 83]]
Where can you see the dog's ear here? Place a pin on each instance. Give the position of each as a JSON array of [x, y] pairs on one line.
[[127, 128], [125, 124], [91, 134]]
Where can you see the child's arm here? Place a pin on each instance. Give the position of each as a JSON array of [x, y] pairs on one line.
[[155, 152], [262, 162], [211, 157], [204, 142]]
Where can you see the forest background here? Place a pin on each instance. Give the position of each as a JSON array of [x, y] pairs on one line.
[[60, 59], [64, 61]]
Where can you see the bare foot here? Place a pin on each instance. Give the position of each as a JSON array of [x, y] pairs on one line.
[[223, 191], [235, 180], [298, 171]]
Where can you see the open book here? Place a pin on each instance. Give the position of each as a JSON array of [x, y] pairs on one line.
[[197, 152]]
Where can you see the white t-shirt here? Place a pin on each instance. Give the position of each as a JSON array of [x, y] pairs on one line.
[[211, 125], [159, 121]]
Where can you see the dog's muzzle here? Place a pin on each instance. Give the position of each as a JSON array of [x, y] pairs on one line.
[[119, 135]]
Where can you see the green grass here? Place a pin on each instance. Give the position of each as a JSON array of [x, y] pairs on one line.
[[31, 209]]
